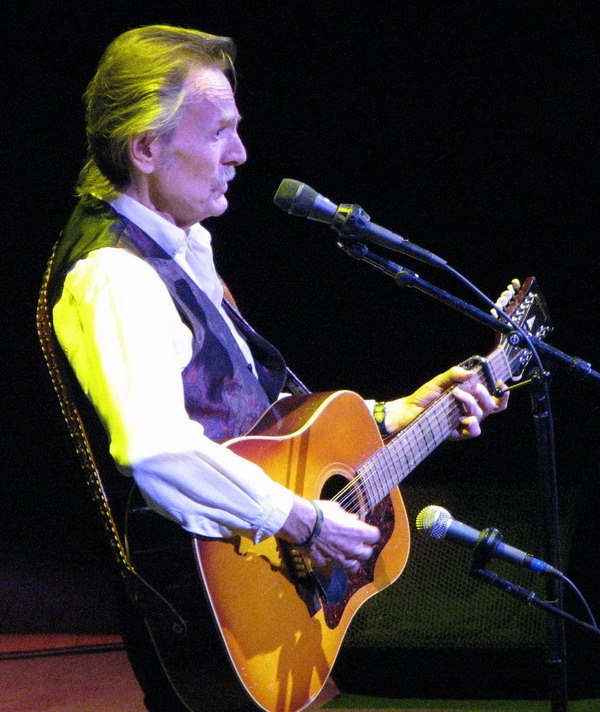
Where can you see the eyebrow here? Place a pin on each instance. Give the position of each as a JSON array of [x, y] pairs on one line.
[[237, 117], [231, 119]]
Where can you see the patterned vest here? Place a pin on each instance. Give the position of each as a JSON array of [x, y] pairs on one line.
[[220, 390]]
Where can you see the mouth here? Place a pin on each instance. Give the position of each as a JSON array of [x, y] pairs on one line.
[[221, 188]]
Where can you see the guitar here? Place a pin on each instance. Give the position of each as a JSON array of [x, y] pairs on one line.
[[283, 623]]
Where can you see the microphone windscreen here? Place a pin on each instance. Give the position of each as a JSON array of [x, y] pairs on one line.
[[433, 521], [295, 198]]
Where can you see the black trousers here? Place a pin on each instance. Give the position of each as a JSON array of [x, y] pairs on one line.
[[180, 673]]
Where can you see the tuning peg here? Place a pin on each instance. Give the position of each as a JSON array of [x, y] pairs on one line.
[[506, 297]]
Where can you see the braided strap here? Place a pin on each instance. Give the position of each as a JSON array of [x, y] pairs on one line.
[[74, 420]]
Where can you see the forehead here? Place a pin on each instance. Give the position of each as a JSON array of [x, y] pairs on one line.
[[209, 87]]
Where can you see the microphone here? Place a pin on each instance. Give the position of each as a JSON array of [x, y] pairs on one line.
[[301, 200], [437, 523]]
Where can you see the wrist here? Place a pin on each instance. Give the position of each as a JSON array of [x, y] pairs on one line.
[[396, 415], [315, 531], [303, 524]]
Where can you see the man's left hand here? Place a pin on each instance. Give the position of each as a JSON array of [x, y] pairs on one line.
[[476, 401]]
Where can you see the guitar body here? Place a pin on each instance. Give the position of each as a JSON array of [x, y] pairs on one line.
[[282, 626]]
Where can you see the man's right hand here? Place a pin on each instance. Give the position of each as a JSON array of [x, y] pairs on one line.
[[344, 540]]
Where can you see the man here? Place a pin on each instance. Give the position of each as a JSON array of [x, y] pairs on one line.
[[168, 364]]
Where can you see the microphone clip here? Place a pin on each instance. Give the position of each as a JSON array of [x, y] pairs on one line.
[[350, 220], [486, 544]]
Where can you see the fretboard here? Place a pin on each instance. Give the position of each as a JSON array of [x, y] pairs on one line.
[[403, 452]]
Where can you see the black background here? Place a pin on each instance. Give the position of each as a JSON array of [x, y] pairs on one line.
[[469, 127]]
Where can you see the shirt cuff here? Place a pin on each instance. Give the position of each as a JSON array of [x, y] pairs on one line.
[[277, 513]]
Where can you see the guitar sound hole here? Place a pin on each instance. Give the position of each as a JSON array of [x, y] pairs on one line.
[[333, 486]]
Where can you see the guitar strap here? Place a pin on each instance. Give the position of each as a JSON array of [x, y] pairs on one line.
[[110, 489]]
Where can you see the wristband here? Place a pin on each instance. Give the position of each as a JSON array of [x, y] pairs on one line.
[[316, 530], [379, 416]]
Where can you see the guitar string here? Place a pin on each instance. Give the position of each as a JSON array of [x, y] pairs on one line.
[[368, 472], [369, 475], [421, 439], [365, 474], [367, 484], [447, 406], [414, 435]]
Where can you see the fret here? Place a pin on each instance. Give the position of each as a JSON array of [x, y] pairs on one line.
[[406, 450], [500, 365]]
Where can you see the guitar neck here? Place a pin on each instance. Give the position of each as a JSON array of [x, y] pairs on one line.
[[403, 452]]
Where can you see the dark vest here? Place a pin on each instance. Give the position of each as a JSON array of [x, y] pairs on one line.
[[220, 390]]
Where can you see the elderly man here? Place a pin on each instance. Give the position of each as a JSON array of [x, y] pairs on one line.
[[140, 312]]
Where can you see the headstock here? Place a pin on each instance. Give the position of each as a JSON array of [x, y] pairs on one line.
[[526, 306]]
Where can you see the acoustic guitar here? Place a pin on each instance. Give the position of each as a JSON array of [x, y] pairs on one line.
[[282, 622]]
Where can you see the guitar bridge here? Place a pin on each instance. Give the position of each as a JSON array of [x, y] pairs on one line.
[[308, 583], [328, 588], [296, 562]]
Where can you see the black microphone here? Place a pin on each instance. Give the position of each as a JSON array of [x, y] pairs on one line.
[[437, 523], [349, 220]]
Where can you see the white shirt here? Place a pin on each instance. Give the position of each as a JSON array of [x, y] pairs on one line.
[[124, 338]]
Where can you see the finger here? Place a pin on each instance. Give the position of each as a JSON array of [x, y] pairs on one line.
[[371, 536], [470, 427], [460, 373], [488, 402], [471, 406], [467, 428], [456, 374], [363, 553]]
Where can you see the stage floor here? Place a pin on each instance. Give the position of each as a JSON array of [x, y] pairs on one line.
[[62, 673]]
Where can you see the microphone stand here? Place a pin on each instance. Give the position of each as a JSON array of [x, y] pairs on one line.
[[527, 596], [407, 278], [540, 398], [483, 553]]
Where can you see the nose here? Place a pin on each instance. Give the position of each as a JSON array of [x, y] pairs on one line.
[[236, 154]]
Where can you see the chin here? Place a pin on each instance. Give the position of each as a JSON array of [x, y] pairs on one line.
[[210, 209], [219, 207]]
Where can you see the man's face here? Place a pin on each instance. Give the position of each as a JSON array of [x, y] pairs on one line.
[[195, 163]]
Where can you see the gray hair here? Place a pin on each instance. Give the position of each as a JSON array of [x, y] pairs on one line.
[[140, 86]]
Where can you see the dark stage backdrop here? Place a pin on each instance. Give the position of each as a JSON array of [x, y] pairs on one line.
[[468, 127]]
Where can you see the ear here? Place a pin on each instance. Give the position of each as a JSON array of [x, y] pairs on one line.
[[143, 152]]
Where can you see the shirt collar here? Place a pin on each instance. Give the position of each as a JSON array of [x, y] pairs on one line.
[[171, 238]]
